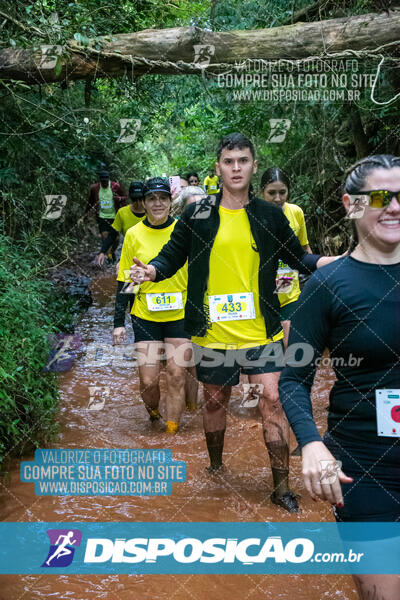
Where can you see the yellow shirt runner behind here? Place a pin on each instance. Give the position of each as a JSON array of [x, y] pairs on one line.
[[295, 216], [234, 266], [145, 243], [211, 185], [106, 202], [125, 219]]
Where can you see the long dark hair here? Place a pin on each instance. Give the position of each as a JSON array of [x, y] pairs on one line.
[[274, 174]]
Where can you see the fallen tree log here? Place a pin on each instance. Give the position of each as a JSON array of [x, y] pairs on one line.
[[176, 50]]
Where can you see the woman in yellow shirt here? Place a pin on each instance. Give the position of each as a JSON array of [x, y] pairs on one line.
[[275, 186], [158, 308]]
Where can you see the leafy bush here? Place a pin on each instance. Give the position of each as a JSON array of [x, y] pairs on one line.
[[30, 309]]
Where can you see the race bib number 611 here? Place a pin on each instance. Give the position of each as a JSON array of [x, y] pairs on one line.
[[171, 301]]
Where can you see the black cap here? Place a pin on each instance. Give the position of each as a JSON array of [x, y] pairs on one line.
[[136, 190], [156, 184], [104, 175]]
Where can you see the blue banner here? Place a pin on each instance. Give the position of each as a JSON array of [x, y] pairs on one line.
[[195, 548]]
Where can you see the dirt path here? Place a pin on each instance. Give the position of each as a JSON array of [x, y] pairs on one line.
[[241, 495]]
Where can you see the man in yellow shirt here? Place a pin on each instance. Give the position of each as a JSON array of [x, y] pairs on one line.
[[233, 241], [211, 183]]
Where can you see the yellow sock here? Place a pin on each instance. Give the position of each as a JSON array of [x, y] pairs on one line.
[[171, 427]]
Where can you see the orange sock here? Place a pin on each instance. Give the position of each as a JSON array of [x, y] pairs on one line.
[[171, 427]]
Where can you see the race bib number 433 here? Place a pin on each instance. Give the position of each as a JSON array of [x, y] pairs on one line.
[[171, 301], [231, 307]]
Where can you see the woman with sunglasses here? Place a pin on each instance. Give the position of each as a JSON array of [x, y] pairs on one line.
[[352, 307], [158, 309]]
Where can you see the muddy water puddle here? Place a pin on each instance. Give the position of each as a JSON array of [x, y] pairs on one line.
[[240, 494]]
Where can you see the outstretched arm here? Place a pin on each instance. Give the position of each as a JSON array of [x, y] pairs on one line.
[[170, 259], [295, 255], [310, 330]]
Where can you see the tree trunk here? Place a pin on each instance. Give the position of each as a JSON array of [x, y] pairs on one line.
[[172, 51], [360, 138]]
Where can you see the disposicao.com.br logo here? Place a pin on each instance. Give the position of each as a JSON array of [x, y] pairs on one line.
[[191, 550], [191, 554], [61, 551]]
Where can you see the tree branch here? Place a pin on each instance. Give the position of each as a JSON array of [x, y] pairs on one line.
[[171, 51], [21, 25], [313, 10]]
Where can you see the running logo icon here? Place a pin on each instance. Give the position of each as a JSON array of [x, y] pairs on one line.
[[54, 207], [329, 470], [61, 551], [203, 54]]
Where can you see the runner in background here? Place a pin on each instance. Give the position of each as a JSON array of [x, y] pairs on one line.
[[211, 183], [105, 199], [126, 217], [275, 186], [158, 309], [193, 179], [351, 307], [187, 196], [233, 243]]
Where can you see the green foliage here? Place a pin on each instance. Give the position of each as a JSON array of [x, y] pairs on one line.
[[30, 309]]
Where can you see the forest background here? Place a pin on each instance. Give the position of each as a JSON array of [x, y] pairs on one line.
[[55, 137]]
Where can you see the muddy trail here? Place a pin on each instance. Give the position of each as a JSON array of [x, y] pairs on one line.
[[241, 494]]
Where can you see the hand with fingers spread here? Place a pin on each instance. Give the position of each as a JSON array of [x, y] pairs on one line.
[[119, 336], [140, 272], [322, 474]]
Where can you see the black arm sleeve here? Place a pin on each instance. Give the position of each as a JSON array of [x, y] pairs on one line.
[[121, 302], [108, 241], [309, 330], [291, 251], [174, 254]]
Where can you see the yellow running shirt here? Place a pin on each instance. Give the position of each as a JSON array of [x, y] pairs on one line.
[[106, 202], [211, 185], [125, 218], [145, 243], [295, 216], [234, 267]]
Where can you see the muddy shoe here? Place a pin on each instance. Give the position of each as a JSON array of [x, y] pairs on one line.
[[215, 470], [154, 415], [288, 501]]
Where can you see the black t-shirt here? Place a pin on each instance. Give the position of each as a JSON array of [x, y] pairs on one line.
[[353, 309]]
